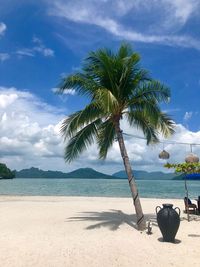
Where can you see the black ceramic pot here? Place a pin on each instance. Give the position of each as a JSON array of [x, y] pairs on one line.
[[168, 221]]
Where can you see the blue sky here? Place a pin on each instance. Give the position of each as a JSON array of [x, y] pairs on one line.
[[40, 41]]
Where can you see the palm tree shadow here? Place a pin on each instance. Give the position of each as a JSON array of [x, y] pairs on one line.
[[111, 219], [192, 217]]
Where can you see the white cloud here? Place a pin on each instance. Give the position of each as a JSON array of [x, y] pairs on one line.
[[66, 92], [29, 130], [38, 48], [183, 9], [169, 16], [2, 28], [47, 52], [146, 157], [25, 52], [4, 57], [188, 115], [30, 136], [7, 99], [120, 31]]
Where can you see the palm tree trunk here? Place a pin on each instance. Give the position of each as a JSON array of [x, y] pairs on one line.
[[141, 223]]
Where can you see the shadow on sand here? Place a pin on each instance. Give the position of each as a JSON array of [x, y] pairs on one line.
[[192, 217], [193, 235], [111, 219], [176, 241]]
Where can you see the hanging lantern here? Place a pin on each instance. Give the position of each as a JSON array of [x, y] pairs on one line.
[[192, 158], [163, 155]]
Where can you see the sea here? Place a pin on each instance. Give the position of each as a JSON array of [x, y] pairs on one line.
[[97, 188]]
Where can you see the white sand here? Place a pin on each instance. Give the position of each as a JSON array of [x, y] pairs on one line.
[[83, 231]]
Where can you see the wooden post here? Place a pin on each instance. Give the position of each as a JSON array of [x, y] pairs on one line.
[[187, 204]]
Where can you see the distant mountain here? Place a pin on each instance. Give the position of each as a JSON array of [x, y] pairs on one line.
[[38, 173], [143, 175], [88, 173], [79, 173]]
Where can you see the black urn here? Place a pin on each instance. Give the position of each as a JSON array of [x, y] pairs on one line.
[[168, 221]]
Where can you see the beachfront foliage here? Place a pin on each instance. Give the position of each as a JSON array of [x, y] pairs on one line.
[[117, 88], [5, 172], [186, 168]]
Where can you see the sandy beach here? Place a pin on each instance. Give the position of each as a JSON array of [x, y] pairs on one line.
[[87, 231]]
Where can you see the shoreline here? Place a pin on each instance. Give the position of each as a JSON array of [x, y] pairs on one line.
[[83, 196], [58, 231]]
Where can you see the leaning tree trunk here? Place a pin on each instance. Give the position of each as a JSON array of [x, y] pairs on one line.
[[141, 223]]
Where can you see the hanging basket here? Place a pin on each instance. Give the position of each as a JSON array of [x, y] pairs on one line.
[[192, 158], [163, 155]]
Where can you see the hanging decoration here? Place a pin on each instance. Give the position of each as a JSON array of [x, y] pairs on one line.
[[163, 154], [192, 158]]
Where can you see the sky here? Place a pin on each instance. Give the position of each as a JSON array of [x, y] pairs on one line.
[[43, 41]]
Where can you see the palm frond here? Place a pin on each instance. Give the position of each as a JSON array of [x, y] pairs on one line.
[[106, 100], [148, 106], [165, 125], [131, 74], [152, 90], [141, 121], [81, 83], [105, 138], [79, 119], [129, 78], [99, 66], [152, 126], [78, 143], [140, 77], [124, 51]]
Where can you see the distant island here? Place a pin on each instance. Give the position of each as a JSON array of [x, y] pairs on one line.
[[79, 173], [89, 173], [5, 172], [144, 175]]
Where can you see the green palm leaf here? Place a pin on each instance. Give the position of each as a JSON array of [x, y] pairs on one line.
[[79, 119], [81, 83], [141, 121], [81, 140], [152, 90], [165, 125], [106, 100], [105, 137]]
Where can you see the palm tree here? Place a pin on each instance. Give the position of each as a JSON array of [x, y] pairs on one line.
[[117, 88]]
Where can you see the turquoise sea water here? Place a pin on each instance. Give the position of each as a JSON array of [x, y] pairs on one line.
[[98, 187]]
